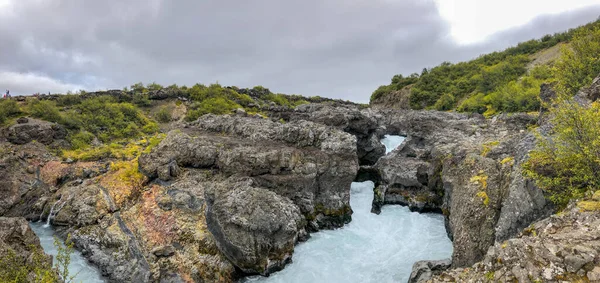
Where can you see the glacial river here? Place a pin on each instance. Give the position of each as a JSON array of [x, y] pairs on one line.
[[79, 266], [372, 248]]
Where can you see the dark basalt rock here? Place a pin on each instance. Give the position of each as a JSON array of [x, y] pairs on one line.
[[256, 229], [423, 271], [30, 130]]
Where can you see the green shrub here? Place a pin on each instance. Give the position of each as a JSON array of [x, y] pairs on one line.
[[68, 100], [8, 109], [567, 164], [154, 86], [139, 88], [215, 105], [15, 269], [45, 110], [201, 92], [141, 99], [163, 115], [110, 120], [81, 140], [579, 62], [446, 102], [474, 104], [398, 83], [516, 96], [279, 99]]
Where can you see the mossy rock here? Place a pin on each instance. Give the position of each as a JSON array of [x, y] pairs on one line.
[[589, 205]]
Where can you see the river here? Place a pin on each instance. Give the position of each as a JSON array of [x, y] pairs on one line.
[[371, 248]]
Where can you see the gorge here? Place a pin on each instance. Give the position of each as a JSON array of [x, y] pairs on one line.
[[371, 248]]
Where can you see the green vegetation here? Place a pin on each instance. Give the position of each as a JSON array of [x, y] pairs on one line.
[[503, 81], [163, 115], [45, 110], [567, 164], [36, 269], [8, 109], [580, 62]]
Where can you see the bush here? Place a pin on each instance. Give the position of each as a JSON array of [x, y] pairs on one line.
[[154, 86], [446, 102], [68, 100], [110, 120], [474, 104], [215, 105], [81, 140], [579, 62], [279, 99], [8, 109], [163, 115], [45, 110], [567, 164], [141, 99], [201, 92]]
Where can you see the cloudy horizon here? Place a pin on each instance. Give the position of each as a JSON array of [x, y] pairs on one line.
[[335, 48]]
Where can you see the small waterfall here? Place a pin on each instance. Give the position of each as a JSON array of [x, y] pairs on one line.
[[53, 213]]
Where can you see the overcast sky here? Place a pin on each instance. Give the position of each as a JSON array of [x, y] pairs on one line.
[[333, 48]]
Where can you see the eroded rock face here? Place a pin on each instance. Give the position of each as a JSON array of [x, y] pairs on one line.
[[466, 167], [560, 248], [255, 228], [349, 118]]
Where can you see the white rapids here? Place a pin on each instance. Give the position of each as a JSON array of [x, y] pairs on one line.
[[372, 248], [79, 266]]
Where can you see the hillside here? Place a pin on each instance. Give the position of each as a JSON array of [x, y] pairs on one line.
[[506, 81]]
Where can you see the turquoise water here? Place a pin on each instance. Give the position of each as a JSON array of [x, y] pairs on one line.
[[79, 265], [372, 248]]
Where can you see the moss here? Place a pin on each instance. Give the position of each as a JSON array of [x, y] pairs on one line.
[[487, 147], [596, 196], [489, 275], [530, 231], [589, 205], [483, 195], [508, 160], [481, 178]]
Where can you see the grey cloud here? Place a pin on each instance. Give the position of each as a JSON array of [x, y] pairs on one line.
[[336, 48]]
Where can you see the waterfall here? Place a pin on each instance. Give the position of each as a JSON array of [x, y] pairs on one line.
[[52, 212]]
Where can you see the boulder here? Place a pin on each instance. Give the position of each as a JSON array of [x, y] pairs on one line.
[[423, 271], [35, 130], [254, 228]]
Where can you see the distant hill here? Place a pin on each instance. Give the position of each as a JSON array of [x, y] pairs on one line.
[[507, 81]]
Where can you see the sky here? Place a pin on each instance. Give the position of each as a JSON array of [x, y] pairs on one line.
[[332, 48]]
